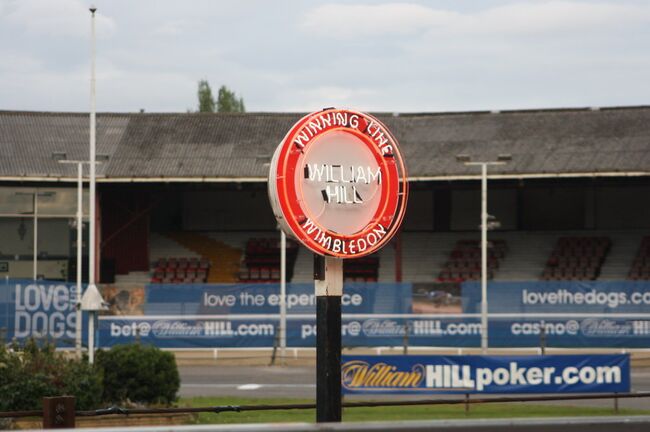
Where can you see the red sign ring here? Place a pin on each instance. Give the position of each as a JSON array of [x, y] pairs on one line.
[[338, 183]]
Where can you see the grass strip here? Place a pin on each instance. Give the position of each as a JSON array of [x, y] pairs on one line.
[[434, 412]]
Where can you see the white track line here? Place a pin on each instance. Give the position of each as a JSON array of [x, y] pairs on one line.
[[245, 386]]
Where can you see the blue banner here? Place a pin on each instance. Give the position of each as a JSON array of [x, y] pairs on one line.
[[43, 310], [379, 331], [570, 332], [568, 297], [186, 333], [203, 299], [233, 332], [374, 314], [485, 374], [559, 297]]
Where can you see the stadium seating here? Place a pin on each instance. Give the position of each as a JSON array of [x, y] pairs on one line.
[[224, 258], [577, 258], [364, 269], [640, 269], [425, 257], [180, 270], [464, 261], [261, 261]]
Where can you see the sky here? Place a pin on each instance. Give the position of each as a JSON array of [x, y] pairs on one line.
[[297, 56]]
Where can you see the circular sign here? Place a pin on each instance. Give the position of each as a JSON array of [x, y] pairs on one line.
[[337, 183]]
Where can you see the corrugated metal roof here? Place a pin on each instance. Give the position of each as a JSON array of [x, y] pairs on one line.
[[236, 146]]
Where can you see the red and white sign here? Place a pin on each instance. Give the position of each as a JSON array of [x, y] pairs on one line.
[[338, 184]]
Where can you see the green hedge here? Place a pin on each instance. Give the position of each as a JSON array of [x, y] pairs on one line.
[[29, 373], [126, 373], [138, 373]]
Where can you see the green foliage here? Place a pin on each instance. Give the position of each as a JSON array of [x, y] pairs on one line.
[[206, 100], [139, 373], [125, 373], [227, 101], [29, 373], [85, 382]]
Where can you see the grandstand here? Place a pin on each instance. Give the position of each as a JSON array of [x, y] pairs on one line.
[[182, 197], [526, 255]]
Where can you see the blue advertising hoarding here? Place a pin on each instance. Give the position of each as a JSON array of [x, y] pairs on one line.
[[599, 300], [374, 314], [203, 299], [232, 331], [44, 310], [208, 316], [485, 374], [374, 331], [559, 297]]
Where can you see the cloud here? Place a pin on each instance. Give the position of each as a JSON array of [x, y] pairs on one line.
[[16, 62], [558, 16], [172, 28], [61, 18], [332, 95], [347, 21], [414, 55]]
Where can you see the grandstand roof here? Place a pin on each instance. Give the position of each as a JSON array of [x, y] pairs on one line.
[[237, 147]]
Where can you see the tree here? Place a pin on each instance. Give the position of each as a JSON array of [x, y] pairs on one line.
[[206, 100], [227, 101]]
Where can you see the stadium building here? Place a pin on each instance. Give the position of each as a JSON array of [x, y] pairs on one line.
[[182, 197]]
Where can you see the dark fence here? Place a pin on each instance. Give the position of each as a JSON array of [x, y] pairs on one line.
[[59, 413]]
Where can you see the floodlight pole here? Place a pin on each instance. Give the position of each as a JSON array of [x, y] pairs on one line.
[[328, 281], [92, 302], [35, 260], [283, 296], [484, 300], [92, 237], [92, 290], [484, 218], [34, 196], [78, 314], [91, 337], [79, 317]]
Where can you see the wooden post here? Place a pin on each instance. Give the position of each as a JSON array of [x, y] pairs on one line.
[[405, 341], [58, 412], [276, 342], [328, 281]]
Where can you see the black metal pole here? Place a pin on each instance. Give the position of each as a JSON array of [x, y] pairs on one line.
[[542, 337], [328, 351], [328, 359]]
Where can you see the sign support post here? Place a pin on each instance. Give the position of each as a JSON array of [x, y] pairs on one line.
[[283, 297], [338, 185], [328, 281]]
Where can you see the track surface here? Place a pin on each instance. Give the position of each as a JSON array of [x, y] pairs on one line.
[[299, 382]]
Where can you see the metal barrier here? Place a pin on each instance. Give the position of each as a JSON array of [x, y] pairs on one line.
[[57, 413]]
